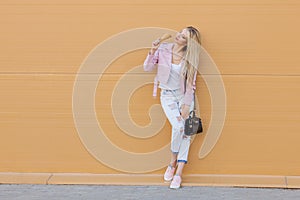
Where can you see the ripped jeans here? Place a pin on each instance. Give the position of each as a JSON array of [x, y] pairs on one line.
[[171, 101]]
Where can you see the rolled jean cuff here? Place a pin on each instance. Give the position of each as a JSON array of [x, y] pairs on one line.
[[184, 161], [174, 152]]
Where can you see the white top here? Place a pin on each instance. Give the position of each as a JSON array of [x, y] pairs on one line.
[[173, 82]]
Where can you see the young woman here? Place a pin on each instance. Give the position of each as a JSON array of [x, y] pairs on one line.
[[177, 65]]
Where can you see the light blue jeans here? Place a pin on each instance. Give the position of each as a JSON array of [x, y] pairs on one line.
[[171, 101]]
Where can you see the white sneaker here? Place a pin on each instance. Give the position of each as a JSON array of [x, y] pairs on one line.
[[168, 176], [176, 182]]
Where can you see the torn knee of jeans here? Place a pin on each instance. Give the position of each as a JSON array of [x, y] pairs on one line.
[[186, 136], [172, 106], [179, 118], [181, 130]]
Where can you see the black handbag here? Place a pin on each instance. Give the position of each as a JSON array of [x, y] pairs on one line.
[[193, 124]]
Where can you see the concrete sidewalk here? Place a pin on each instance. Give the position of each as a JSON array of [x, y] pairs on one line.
[[93, 192]]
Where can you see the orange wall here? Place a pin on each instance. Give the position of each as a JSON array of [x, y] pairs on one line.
[[255, 45]]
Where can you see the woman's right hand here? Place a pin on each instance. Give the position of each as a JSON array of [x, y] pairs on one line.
[[155, 46]]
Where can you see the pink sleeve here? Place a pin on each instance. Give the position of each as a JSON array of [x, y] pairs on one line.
[[151, 61]]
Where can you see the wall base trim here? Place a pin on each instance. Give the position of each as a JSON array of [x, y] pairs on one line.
[[150, 179]]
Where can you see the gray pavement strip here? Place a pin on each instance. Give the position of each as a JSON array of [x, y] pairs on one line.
[[84, 192]]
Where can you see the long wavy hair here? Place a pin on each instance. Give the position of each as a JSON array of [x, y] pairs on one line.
[[192, 53]]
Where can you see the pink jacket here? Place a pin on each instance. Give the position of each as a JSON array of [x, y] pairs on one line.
[[163, 58]]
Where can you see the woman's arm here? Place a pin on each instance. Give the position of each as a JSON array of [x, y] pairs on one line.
[[188, 98], [189, 93], [151, 61], [152, 57]]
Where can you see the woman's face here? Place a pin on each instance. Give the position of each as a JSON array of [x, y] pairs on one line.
[[181, 37]]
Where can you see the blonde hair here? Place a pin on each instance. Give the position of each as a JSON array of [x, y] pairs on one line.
[[192, 53]]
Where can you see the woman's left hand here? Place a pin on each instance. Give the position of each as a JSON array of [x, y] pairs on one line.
[[185, 111]]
